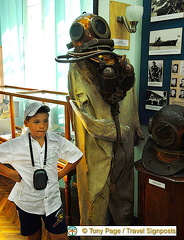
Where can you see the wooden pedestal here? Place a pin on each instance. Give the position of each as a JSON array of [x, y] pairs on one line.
[[160, 201]]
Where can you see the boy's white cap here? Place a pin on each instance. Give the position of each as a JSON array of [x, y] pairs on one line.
[[32, 109]]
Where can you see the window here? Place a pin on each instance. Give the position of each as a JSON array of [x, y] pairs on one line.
[[33, 33], [47, 33]]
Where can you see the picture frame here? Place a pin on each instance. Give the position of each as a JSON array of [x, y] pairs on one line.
[[155, 73], [177, 83], [166, 41], [166, 10], [155, 100]]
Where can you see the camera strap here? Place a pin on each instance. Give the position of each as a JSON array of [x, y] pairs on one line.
[[31, 150]]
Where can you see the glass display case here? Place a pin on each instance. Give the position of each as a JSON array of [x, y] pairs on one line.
[[13, 101]]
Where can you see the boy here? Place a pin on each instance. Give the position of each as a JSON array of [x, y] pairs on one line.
[[34, 157]]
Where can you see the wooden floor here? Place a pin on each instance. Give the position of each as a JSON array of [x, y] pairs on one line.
[[9, 223]]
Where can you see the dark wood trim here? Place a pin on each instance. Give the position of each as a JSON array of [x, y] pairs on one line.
[[95, 7]]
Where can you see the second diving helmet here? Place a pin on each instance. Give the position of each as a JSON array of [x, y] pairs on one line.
[[163, 153]]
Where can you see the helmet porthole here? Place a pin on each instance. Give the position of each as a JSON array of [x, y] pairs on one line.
[[76, 31], [100, 27]]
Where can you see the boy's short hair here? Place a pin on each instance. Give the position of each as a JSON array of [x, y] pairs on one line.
[[34, 108]]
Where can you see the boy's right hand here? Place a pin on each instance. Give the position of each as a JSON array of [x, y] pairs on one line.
[[10, 173]]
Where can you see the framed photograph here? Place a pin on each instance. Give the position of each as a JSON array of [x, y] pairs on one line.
[[155, 100], [164, 42], [166, 9], [177, 83], [155, 73]]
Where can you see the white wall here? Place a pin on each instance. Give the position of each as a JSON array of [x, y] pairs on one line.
[[134, 54]]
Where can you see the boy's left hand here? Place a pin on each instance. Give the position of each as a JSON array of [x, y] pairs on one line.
[[16, 176]]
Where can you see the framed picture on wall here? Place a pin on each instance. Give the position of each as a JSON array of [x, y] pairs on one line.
[[155, 100], [166, 9], [164, 42], [177, 83], [155, 73]]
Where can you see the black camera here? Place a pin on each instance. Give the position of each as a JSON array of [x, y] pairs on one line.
[[40, 179]]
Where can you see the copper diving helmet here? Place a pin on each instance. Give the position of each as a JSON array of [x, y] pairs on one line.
[[88, 32], [163, 153]]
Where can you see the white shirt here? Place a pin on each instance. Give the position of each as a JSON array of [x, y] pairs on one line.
[[17, 153]]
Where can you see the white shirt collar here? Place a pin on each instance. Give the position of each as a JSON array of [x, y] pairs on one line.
[[50, 136]]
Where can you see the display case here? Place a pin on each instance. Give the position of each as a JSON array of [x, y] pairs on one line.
[[15, 94], [15, 99]]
